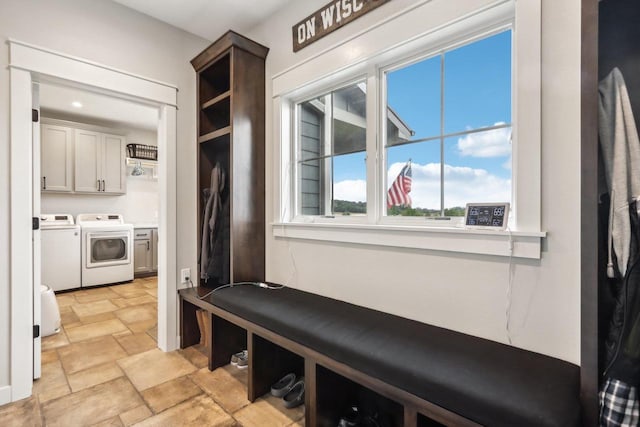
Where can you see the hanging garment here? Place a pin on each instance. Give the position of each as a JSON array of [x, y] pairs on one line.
[[218, 266], [210, 216], [621, 154], [620, 148], [620, 405]]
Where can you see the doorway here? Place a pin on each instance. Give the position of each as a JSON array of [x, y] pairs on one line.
[[29, 64]]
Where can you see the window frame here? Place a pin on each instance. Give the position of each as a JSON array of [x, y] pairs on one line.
[[373, 49], [295, 103], [399, 63]]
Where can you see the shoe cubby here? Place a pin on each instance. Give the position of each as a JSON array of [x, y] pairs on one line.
[[424, 421], [336, 395], [227, 339], [270, 362]]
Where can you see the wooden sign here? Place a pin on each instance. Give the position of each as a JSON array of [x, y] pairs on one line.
[[329, 18]]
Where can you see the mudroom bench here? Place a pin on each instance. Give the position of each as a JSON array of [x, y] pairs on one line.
[[408, 373]]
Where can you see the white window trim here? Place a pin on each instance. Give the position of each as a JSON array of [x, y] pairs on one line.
[[337, 64]]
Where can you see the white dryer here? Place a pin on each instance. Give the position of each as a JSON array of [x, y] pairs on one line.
[[60, 240], [107, 255]]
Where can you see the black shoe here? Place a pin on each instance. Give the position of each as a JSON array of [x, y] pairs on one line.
[[283, 385], [351, 418], [295, 396]]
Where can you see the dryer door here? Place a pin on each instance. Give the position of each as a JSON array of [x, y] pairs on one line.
[[108, 248]]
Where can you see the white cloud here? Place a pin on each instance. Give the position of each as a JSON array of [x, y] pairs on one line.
[[354, 190], [491, 143]]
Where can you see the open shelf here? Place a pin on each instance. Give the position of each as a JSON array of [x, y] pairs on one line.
[[217, 116], [427, 422], [215, 79], [223, 96], [226, 131]]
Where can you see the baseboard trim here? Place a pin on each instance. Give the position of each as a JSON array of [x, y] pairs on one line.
[[5, 394]]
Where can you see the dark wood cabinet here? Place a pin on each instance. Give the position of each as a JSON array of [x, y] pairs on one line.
[[231, 101]]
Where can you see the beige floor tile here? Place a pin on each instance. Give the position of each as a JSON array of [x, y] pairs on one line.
[[93, 308], [297, 423], [69, 319], [52, 383], [86, 354], [92, 405], [268, 411], [54, 341], [198, 411], [24, 412], [49, 356], [152, 292], [170, 393], [153, 333], [85, 320], [137, 343], [93, 330], [65, 300], [195, 355], [154, 367], [137, 313], [130, 302], [126, 291], [151, 283], [226, 390], [135, 415], [97, 294], [94, 376], [111, 422], [143, 326]]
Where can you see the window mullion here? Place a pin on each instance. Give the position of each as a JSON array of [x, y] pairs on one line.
[[327, 180], [442, 134]]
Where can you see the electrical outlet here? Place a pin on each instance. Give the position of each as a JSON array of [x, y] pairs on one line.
[[185, 275]]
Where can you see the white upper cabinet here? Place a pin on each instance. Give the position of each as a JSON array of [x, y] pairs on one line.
[[100, 163], [114, 169], [88, 160], [56, 158]]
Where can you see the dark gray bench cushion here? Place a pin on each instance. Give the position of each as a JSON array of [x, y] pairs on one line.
[[488, 382]]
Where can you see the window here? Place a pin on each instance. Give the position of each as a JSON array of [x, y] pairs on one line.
[[447, 137], [331, 152], [442, 101], [449, 125]]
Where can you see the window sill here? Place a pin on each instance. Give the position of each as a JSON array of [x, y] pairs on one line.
[[486, 242]]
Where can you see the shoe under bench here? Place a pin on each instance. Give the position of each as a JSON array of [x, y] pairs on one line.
[[406, 372]]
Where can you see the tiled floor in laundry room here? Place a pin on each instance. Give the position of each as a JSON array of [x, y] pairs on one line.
[[104, 369]]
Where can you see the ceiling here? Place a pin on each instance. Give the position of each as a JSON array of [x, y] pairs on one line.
[[58, 101], [200, 16]]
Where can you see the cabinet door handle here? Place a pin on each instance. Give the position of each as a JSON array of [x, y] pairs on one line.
[[103, 186], [98, 185], [148, 245], [44, 182]]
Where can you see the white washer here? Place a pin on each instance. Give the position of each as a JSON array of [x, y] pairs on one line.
[[60, 239], [107, 255]]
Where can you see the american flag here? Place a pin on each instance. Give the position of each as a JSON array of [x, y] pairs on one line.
[[398, 194]]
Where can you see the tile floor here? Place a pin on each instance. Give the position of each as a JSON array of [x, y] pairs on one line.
[[103, 369]]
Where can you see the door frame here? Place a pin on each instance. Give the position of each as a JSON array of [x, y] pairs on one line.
[[28, 64]]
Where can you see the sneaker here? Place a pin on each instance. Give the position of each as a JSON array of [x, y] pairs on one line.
[[284, 385], [235, 357], [243, 360]]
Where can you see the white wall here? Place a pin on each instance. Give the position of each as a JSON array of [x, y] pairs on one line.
[[467, 293], [141, 202], [107, 33]]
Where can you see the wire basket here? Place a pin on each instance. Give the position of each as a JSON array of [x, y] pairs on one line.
[[141, 151]]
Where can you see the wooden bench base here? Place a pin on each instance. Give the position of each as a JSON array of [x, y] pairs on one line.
[[331, 386]]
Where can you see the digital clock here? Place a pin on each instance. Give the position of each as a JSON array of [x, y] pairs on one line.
[[492, 216]]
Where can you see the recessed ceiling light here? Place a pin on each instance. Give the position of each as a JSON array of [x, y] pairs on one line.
[[76, 104]]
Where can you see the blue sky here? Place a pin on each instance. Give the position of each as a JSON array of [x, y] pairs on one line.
[[477, 94]]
